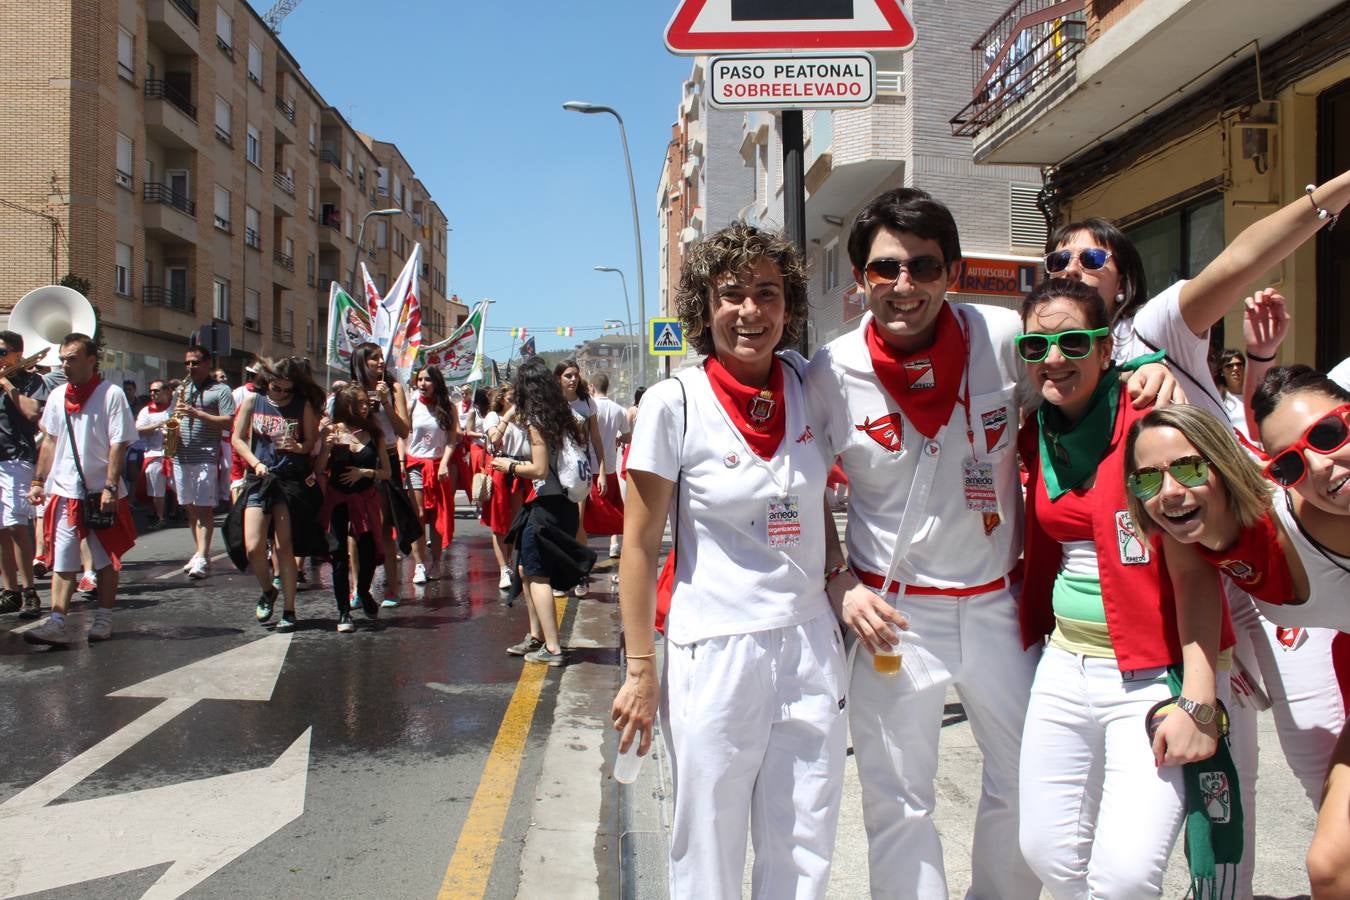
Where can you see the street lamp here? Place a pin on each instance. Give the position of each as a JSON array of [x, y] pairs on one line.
[[361, 242], [591, 109], [632, 357]]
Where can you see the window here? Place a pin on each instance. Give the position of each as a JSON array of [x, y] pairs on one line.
[[126, 54], [381, 233], [252, 228], [398, 190], [254, 64], [311, 135], [311, 202], [382, 180], [831, 266], [220, 299], [253, 147], [347, 223], [309, 334], [223, 114], [252, 301], [222, 209], [349, 164], [309, 269], [122, 269], [126, 156], [361, 178], [225, 32], [1180, 244], [288, 248]]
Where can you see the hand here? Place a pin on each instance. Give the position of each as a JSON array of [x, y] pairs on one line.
[[1265, 322], [501, 463], [351, 475], [443, 472], [107, 501], [1180, 740], [1153, 383], [601, 486], [382, 394], [867, 614], [186, 409], [634, 708], [259, 469], [35, 494], [332, 439]]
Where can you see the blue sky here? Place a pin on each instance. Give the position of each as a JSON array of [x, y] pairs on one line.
[[536, 196]]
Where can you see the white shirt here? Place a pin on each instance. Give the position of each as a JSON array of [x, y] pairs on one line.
[[104, 420], [152, 440], [950, 549], [613, 421], [427, 439], [1341, 374], [728, 580], [1328, 580], [516, 441], [1160, 323], [584, 409], [1236, 411]]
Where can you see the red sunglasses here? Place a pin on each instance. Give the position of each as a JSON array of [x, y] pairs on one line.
[[1327, 435]]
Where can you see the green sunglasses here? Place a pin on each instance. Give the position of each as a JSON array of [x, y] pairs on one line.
[[1189, 471], [1074, 344]]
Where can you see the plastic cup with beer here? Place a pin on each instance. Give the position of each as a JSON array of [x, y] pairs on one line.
[[886, 660]]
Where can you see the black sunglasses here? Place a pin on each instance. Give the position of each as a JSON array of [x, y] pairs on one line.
[[921, 269], [1090, 258]]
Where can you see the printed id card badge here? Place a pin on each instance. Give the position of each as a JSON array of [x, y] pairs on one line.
[[785, 521], [977, 479]]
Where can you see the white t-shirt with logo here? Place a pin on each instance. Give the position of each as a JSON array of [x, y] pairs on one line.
[[728, 578], [105, 419], [427, 439], [1159, 322], [153, 441], [613, 421]]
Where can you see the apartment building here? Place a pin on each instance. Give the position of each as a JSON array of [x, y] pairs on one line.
[[613, 354], [173, 154], [1183, 121], [851, 155]]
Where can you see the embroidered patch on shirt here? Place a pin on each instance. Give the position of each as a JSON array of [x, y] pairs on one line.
[[1133, 548], [886, 431], [995, 427]]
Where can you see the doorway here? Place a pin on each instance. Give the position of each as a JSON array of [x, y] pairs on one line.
[[1333, 245]]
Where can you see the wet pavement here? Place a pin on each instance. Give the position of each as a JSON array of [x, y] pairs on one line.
[[239, 762]]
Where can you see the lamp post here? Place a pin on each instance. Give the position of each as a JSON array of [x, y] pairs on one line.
[[361, 238], [633, 350], [591, 109]]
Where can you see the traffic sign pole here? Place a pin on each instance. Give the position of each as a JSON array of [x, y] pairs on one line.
[[794, 189]]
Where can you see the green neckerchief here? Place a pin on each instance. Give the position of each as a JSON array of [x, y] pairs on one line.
[[1071, 451], [1213, 822]]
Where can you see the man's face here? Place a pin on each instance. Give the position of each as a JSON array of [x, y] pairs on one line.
[[159, 394], [222, 377], [905, 306], [78, 365], [195, 364]]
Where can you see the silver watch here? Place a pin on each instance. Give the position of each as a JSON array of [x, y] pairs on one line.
[[1202, 713]]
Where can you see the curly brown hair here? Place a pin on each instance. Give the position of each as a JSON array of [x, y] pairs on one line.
[[736, 248]]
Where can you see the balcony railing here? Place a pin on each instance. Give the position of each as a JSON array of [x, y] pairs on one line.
[[159, 89], [182, 301], [325, 283], [1031, 43], [281, 259], [287, 109], [252, 238], [187, 9], [284, 181], [330, 157], [161, 193], [282, 337]]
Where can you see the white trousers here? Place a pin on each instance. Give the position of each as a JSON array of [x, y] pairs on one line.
[[1305, 702], [974, 644], [755, 730], [66, 546], [1098, 818]]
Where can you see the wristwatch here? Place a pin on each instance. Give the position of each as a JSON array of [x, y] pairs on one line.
[[1202, 713]]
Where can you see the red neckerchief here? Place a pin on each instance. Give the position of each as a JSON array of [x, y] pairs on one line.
[[1255, 562], [736, 398], [156, 407], [75, 396], [925, 384]]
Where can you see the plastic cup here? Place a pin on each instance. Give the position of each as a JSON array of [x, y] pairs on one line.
[[886, 661], [628, 765]]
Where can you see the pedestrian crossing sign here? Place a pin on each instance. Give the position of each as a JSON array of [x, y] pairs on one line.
[[665, 337]]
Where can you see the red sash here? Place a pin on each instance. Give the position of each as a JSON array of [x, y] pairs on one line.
[[116, 540], [438, 499]]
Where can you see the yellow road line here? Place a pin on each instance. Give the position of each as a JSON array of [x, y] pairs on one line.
[[471, 865]]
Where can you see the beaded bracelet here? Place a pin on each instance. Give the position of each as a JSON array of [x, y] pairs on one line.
[[1323, 214], [836, 571], [1254, 358]]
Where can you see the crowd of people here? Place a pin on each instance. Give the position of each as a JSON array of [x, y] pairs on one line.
[[1114, 551]]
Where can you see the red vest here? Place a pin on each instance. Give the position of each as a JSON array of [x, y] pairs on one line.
[[1136, 590]]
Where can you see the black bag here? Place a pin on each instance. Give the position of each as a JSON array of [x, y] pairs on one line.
[[91, 509]]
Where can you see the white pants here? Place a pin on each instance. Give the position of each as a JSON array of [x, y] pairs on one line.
[[15, 476], [1098, 818], [195, 483], [66, 546], [974, 644], [156, 479], [1305, 702], [755, 730]]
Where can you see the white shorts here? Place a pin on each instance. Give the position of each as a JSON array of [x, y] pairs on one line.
[[196, 483], [66, 550], [156, 479], [15, 478]]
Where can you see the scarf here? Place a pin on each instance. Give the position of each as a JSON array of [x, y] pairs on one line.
[[764, 436], [924, 384], [75, 396], [156, 407], [1213, 822], [1071, 451], [1255, 561]]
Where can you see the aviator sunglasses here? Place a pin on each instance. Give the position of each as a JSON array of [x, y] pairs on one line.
[[1187, 471], [1090, 258], [1327, 435], [1074, 344], [921, 269]]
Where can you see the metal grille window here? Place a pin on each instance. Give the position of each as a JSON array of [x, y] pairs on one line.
[[252, 228], [224, 32], [253, 147], [222, 209], [223, 112], [126, 155], [1026, 224], [122, 269]]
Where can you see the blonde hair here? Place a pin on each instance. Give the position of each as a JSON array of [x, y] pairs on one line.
[[1249, 494]]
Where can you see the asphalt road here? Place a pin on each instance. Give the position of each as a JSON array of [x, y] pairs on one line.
[[238, 762]]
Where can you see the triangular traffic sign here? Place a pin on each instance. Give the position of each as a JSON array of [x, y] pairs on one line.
[[747, 26]]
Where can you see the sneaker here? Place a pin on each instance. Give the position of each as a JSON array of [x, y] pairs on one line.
[[345, 624], [542, 655], [192, 561], [287, 623], [419, 574], [32, 604], [51, 632], [10, 601], [529, 645], [199, 567], [368, 606], [614, 550], [300, 577], [40, 568], [101, 630], [266, 601], [354, 601], [504, 583], [276, 582], [389, 601], [582, 589], [88, 583]]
